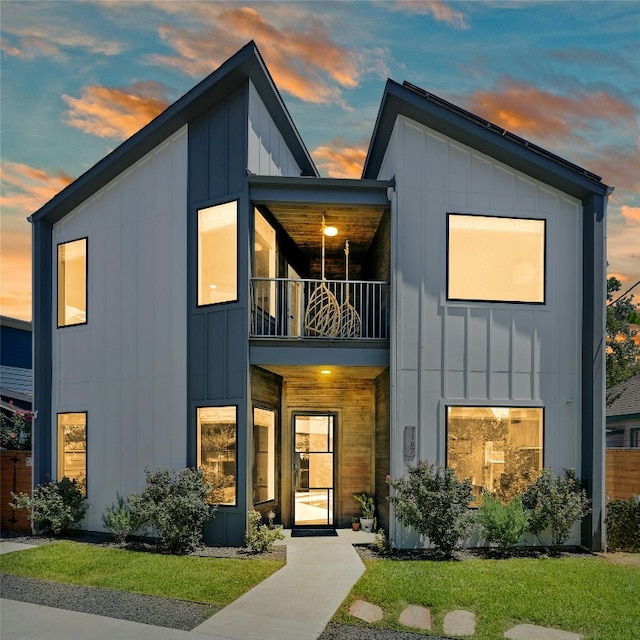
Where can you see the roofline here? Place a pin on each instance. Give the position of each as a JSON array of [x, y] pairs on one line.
[[15, 323], [246, 64], [480, 134]]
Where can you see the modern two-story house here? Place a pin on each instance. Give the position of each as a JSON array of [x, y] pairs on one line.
[[203, 297]]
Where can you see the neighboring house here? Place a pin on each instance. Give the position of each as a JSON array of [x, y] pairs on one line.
[[623, 414], [189, 310], [16, 373]]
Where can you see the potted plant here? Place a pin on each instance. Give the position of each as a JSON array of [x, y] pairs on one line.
[[368, 505], [355, 522]]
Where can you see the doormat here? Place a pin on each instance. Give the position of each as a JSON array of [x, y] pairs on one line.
[[313, 533]]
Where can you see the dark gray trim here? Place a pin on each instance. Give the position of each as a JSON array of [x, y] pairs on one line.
[[280, 352], [460, 125], [246, 64], [15, 323], [593, 368], [623, 417], [42, 286]]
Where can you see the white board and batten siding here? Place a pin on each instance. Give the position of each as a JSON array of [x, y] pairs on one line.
[[268, 153], [477, 353], [127, 366]]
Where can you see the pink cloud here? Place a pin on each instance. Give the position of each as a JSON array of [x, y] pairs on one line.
[[437, 9], [631, 215], [115, 113], [337, 160]]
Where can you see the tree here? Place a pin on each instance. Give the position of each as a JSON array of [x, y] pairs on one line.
[[623, 352]]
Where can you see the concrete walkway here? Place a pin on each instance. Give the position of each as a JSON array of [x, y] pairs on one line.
[[296, 602]]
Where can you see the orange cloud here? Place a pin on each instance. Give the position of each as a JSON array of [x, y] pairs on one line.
[[437, 9], [337, 160], [25, 189], [302, 56], [115, 113], [523, 108]]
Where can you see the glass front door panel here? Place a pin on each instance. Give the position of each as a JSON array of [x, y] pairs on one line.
[[313, 470]]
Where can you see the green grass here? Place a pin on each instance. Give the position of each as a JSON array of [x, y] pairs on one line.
[[584, 595], [216, 581]]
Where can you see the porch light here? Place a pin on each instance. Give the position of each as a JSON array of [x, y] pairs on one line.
[[330, 231]]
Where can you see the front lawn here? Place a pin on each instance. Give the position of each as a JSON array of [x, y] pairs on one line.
[[585, 595], [215, 581]]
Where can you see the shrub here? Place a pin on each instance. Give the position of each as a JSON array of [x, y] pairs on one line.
[[174, 505], [259, 538], [124, 517], [555, 503], [54, 506], [502, 524], [382, 543], [623, 524], [433, 502]]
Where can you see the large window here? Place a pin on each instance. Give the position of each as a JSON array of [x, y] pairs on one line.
[[218, 254], [498, 448], [72, 448], [264, 455], [217, 452], [72, 283], [495, 259]]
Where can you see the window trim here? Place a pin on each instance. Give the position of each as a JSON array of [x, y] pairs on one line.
[[632, 431], [219, 505], [60, 454], [490, 406], [543, 302], [200, 208], [86, 283]]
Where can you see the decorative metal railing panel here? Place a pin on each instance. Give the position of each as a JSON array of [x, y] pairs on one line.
[[319, 309]]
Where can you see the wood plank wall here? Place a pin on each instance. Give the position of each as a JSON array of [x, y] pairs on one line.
[[354, 404], [383, 436], [623, 473]]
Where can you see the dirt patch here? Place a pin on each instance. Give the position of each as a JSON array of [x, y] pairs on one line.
[[619, 557]]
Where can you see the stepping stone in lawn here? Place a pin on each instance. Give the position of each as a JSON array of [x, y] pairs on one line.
[[459, 623], [534, 632], [417, 617], [365, 611]]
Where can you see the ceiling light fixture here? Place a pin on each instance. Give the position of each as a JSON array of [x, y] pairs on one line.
[[331, 231]]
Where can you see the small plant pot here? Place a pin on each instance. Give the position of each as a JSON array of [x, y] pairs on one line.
[[366, 524], [355, 526]]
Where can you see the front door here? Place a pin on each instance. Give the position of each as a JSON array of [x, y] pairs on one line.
[[313, 466]]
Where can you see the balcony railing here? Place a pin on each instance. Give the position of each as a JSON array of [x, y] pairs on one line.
[[319, 309]]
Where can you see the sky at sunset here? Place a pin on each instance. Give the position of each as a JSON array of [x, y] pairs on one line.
[[79, 77]]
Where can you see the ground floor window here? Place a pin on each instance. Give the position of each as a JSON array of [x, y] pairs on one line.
[[217, 434], [72, 448], [498, 448], [264, 455]]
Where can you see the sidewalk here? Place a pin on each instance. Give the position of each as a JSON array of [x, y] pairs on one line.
[[296, 602]]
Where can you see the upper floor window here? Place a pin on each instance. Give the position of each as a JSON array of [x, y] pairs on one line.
[[72, 448], [72, 283], [495, 259], [218, 254], [264, 264], [498, 448]]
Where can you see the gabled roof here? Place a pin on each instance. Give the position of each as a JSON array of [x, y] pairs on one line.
[[232, 74], [473, 131], [623, 399]]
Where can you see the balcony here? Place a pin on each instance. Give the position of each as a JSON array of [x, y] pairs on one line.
[[297, 309]]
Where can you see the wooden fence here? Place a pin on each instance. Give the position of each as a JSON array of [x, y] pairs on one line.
[[16, 477], [622, 473]]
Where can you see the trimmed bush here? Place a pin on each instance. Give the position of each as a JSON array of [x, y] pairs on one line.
[[54, 506], [555, 503], [174, 505], [259, 538], [623, 525], [434, 503], [503, 524]]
